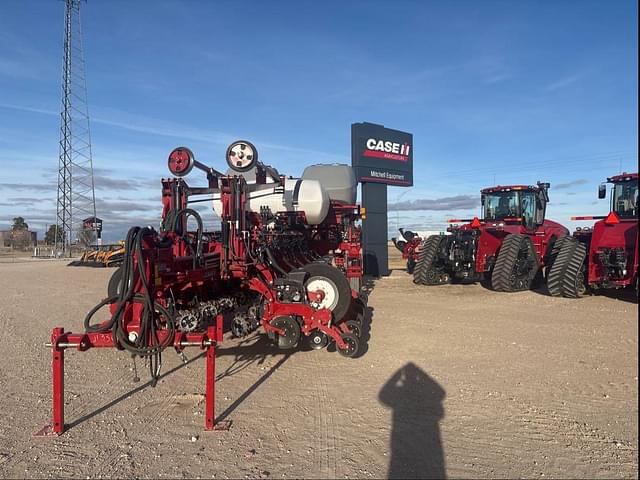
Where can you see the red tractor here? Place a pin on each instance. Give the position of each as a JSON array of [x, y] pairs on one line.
[[508, 247], [604, 256]]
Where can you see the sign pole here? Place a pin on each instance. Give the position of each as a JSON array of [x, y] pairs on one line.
[[374, 229]]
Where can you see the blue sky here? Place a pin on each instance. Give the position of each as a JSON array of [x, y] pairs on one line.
[[494, 92]]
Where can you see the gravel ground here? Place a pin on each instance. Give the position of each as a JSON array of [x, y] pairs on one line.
[[456, 380]]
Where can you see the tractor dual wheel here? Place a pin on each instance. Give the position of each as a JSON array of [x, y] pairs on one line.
[[566, 276], [516, 265], [426, 272], [332, 284]]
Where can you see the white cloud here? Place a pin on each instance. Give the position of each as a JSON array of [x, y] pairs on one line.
[[563, 82]]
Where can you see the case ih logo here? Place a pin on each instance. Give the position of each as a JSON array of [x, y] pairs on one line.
[[385, 149], [92, 223], [381, 155]]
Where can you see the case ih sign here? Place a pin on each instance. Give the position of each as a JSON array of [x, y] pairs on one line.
[[92, 223], [382, 155]]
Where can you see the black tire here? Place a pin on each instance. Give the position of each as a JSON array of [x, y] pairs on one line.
[[318, 340], [113, 287], [399, 244], [115, 260], [338, 282], [355, 327], [554, 283], [358, 311], [425, 271], [411, 266], [516, 266], [566, 275], [292, 332], [353, 345], [552, 253], [407, 235]]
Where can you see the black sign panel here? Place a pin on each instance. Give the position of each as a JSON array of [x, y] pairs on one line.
[[92, 223], [382, 155]]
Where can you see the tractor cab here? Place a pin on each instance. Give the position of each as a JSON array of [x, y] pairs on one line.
[[624, 196], [516, 204]]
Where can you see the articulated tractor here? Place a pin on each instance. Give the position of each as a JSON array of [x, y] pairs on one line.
[[604, 256], [508, 247]]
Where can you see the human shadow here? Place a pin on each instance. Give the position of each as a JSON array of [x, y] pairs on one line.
[[416, 446]]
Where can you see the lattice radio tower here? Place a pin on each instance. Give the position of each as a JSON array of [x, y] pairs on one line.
[[76, 192]]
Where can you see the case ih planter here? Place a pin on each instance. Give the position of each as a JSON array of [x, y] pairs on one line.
[[284, 260], [604, 256], [509, 246]]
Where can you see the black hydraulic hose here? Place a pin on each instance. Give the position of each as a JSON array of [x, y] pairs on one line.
[[146, 343], [168, 221], [225, 246], [100, 327], [126, 291], [284, 260], [273, 261], [187, 212], [236, 200]]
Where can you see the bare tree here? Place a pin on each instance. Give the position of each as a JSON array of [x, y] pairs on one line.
[[86, 237]]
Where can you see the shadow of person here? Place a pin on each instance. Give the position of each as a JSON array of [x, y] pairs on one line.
[[416, 400]]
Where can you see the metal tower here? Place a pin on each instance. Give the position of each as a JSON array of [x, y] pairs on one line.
[[76, 193]]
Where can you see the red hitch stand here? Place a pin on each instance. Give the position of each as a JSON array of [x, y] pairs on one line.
[[60, 341]]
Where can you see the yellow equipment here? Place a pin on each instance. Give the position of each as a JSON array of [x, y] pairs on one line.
[[101, 256]]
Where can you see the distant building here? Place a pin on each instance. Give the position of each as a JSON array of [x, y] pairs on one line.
[[428, 233], [18, 238]]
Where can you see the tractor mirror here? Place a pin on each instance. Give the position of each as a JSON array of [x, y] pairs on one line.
[[602, 190]]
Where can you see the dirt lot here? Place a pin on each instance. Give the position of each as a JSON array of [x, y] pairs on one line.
[[457, 381]]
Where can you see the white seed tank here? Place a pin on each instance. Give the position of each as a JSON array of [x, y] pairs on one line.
[[338, 179], [310, 194], [306, 196]]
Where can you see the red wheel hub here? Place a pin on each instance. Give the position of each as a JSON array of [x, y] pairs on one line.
[[316, 297], [180, 161]]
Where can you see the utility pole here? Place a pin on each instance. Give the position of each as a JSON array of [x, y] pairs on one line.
[[76, 192]]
